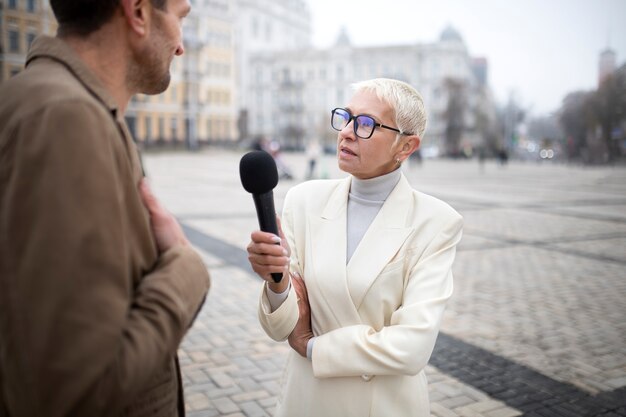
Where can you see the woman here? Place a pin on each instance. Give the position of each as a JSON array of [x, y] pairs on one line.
[[366, 262]]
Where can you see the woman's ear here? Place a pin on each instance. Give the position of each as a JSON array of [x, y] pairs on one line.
[[409, 145]]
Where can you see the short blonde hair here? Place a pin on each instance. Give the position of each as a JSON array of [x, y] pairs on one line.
[[406, 102]]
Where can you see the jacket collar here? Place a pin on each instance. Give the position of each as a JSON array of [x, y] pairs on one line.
[[57, 50], [378, 246]]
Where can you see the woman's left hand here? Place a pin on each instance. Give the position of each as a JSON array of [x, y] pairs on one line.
[[301, 334]]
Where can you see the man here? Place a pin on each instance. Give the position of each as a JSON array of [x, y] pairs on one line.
[[98, 283]]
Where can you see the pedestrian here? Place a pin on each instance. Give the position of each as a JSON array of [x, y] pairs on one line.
[[98, 283], [366, 263], [312, 154]]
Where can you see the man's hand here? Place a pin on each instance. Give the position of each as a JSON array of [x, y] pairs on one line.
[[167, 232], [301, 334]]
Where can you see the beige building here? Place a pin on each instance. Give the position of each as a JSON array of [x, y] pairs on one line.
[[199, 106], [20, 22]]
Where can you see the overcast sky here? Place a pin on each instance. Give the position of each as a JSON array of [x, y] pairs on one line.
[[538, 49]]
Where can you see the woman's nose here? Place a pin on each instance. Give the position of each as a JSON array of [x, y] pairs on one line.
[[348, 131]]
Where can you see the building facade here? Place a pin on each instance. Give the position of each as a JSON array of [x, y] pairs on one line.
[[292, 92], [262, 27], [21, 21]]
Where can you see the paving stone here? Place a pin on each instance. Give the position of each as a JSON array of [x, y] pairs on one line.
[[503, 412], [252, 409], [225, 405], [440, 411]]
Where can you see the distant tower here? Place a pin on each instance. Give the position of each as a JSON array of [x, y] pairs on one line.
[[606, 64], [343, 39]]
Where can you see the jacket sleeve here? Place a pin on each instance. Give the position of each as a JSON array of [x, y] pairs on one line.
[[405, 345], [84, 337], [279, 324]]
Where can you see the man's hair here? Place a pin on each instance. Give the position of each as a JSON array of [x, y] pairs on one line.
[[406, 102], [82, 17]]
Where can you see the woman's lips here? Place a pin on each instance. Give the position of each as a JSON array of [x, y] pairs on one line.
[[347, 151]]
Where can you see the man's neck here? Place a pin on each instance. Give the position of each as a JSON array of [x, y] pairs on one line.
[[107, 61]]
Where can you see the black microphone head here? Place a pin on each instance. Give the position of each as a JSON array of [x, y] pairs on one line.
[[258, 172]]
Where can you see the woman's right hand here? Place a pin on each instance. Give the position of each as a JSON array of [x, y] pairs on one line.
[[269, 253]]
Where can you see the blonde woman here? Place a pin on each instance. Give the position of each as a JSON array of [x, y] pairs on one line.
[[367, 264]]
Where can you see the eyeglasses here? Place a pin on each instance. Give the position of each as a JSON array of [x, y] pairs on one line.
[[363, 125]]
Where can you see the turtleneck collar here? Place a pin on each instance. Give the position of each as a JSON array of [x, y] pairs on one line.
[[375, 189]]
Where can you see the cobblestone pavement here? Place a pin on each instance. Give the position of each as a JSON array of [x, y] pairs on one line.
[[536, 325]]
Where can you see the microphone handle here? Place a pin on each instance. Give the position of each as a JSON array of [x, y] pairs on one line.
[[266, 214]]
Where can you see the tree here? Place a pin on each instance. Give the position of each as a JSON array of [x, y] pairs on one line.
[[454, 115], [575, 121], [609, 109]]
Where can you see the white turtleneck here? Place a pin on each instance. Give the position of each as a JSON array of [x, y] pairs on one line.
[[364, 202]]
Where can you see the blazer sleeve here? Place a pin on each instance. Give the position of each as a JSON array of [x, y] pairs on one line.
[[279, 324], [86, 337], [405, 345]]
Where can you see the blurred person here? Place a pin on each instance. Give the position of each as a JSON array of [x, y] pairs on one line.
[[366, 263], [284, 171], [312, 154], [98, 283]]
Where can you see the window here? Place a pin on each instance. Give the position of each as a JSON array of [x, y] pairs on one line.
[[339, 73], [30, 37], [14, 44], [161, 128], [12, 4], [148, 129], [268, 31], [30, 5], [174, 128], [255, 27]]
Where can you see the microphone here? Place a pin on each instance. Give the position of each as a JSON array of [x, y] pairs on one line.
[[259, 176]]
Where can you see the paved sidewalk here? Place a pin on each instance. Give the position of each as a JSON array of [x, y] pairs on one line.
[[535, 327]]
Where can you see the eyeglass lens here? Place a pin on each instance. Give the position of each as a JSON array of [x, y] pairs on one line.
[[363, 125]]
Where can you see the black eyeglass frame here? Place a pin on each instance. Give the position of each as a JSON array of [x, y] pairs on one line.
[[355, 125]]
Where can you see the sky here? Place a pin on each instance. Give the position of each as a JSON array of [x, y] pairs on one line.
[[537, 50]]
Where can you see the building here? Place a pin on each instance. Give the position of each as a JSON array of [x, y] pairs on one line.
[[20, 22], [200, 104], [292, 92], [265, 26], [606, 64]]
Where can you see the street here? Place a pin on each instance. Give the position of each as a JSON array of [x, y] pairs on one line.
[[536, 325]]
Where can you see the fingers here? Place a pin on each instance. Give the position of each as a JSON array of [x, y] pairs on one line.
[[265, 256], [264, 237], [148, 198], [301, 292], [284, 242]]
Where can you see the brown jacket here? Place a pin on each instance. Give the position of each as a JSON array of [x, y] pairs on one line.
[[91, 315]]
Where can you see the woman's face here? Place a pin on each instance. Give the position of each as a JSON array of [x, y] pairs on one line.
[[368, 158]]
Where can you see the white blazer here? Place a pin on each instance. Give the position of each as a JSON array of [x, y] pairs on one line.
[[375, 319]]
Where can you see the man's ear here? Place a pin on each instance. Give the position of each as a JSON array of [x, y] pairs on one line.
[[137, 15]]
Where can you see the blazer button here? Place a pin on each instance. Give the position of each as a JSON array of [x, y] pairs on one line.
[[367, 378]]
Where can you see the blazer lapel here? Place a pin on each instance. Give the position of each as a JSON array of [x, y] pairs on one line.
[[327, 234], [381, 242]]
